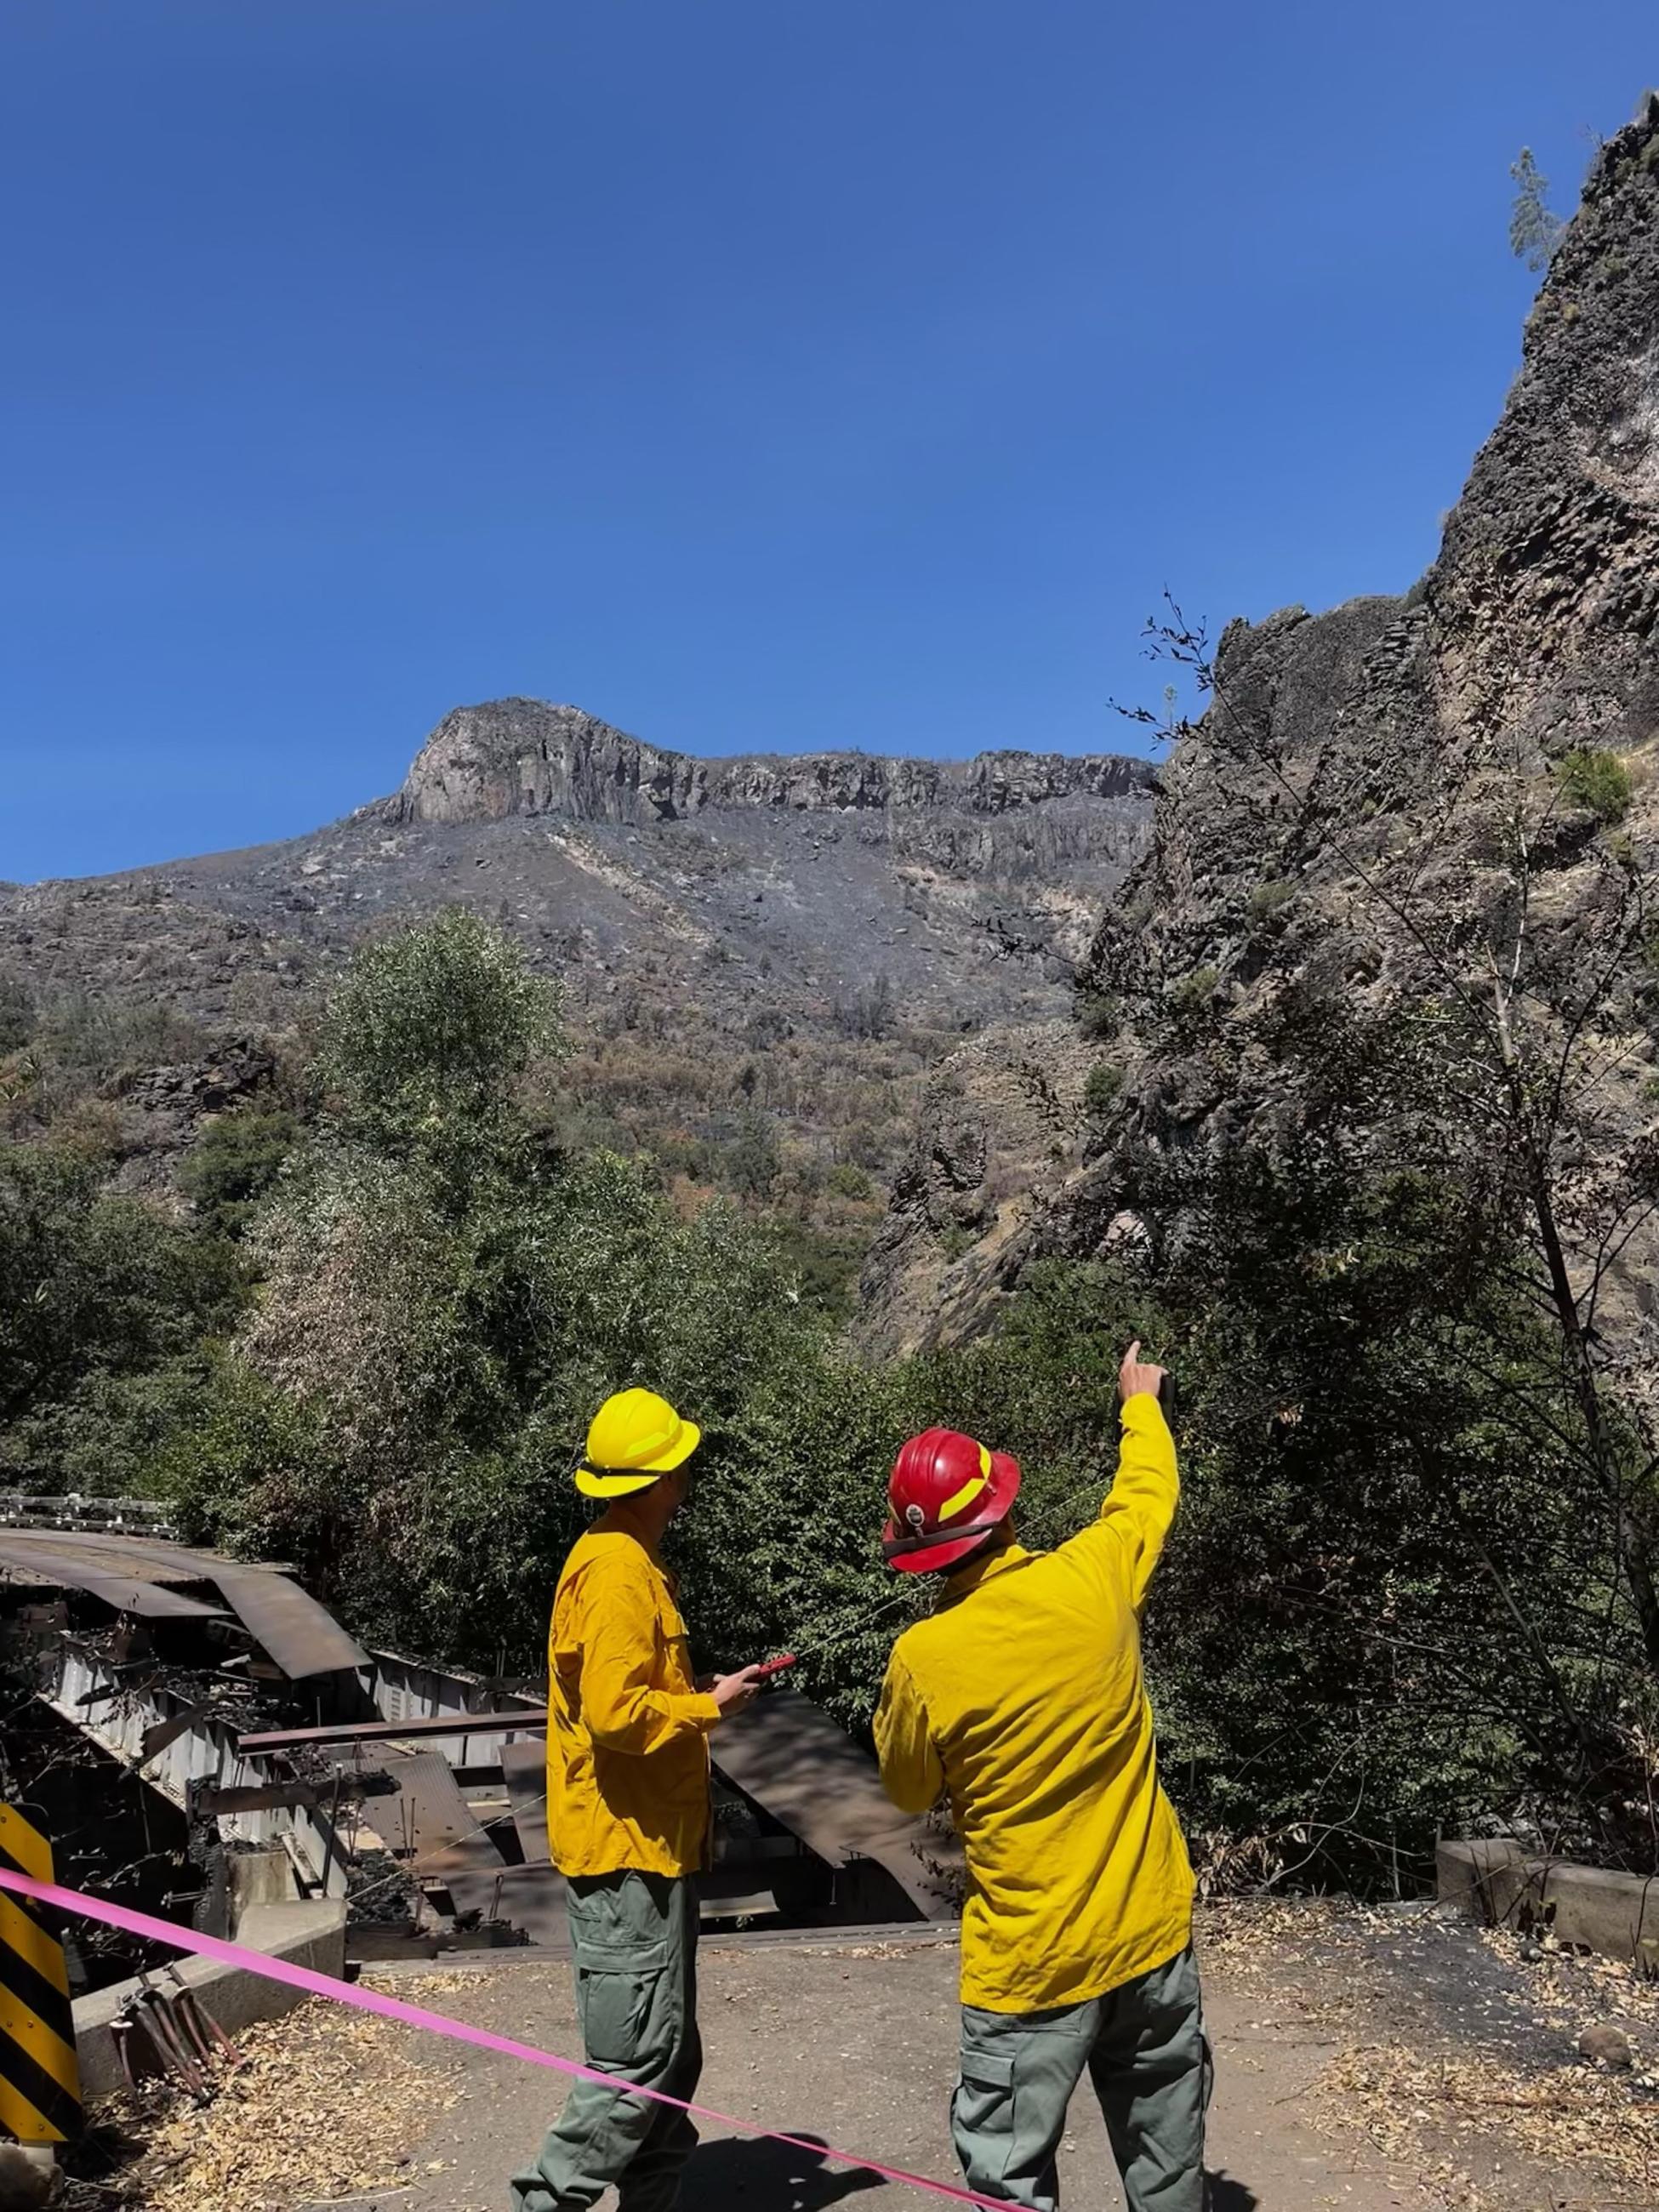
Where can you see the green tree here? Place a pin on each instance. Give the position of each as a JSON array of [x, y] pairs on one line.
[[96, 1292], [1535, 231], [426, 1033], [753, 1161], [444, 1304]]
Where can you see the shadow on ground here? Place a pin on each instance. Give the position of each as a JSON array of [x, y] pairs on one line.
[[1227, 2195], [780, 2178], [773, 2176]]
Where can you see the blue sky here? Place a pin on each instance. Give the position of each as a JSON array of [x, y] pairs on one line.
[[753, 375]]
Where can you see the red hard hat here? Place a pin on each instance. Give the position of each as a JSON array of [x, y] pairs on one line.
[[946, 1491]]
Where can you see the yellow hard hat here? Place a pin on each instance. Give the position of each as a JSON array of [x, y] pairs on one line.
[[634, 1436]]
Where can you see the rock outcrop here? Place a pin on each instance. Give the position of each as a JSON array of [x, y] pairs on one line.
[[1350, 824], [1003, 1129], [523, 757], [512, 756]]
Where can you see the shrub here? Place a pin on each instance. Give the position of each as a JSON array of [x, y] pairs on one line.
[[1190, 996], [1100, 1091], [17, 1015], [1597, 780], [97, 1038], [1265, 899], [872, 1013], [234, 1162], [1099, 1013]]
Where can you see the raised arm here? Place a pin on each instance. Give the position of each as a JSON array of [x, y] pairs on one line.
[[1141, 1502]]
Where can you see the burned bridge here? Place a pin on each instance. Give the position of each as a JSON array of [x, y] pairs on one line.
[[414, 1794]]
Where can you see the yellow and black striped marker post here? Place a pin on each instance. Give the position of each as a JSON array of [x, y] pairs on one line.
[[39, 2074]]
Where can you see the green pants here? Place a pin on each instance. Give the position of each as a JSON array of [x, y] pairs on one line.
[[634, 1937], [1148, 2061]]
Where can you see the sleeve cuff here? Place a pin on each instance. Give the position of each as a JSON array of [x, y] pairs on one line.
[[706, 1713]]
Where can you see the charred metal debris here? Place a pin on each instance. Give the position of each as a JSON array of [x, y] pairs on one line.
[[253, 1732]]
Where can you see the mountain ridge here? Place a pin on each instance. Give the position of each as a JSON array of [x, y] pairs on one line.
[[527, 756], [697, 913]]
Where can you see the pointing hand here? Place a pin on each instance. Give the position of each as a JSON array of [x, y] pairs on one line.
[[1137, 1374]]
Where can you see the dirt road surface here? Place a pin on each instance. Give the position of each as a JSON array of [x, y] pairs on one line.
[[1366, 2062]]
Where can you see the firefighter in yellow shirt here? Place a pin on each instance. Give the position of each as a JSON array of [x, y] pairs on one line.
[[1021, 1698], [628, 1817]]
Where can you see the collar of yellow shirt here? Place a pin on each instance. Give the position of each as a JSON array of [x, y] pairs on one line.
[[963, 1585]]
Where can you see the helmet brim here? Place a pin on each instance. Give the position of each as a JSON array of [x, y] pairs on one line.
[[600, 1482], [594, 1482], [991, 1506]]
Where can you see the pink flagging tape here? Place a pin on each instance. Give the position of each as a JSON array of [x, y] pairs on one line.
[[438, 2023]]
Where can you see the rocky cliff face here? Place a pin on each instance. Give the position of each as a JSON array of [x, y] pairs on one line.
[[522, 756], [1002, 1136], [1382, 798]]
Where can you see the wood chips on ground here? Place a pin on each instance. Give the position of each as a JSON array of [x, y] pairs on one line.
[[437, 1983], [1569, 1985], [321, 2110], [1241, 1933], [1565, 2117]]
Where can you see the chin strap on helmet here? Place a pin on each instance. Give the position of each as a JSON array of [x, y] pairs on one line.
[[929, 1540]]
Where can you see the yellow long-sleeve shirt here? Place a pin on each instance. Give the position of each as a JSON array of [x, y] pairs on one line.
[[627, 1729], [1023, 1698]]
